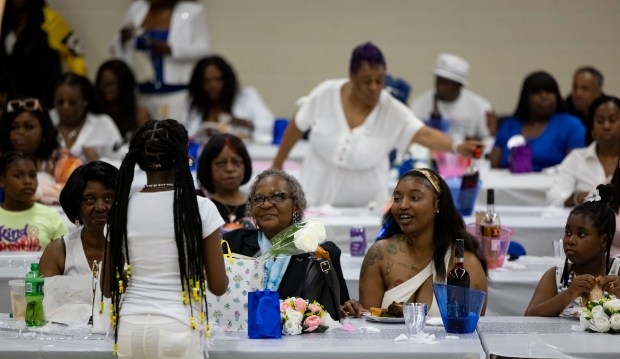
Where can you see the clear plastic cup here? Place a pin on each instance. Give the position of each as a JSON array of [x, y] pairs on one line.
[[415, 317], [18, 298]]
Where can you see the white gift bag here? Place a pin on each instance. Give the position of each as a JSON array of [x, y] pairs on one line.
[[230, 311]]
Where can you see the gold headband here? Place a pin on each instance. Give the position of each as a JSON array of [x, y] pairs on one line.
[[430, 176]]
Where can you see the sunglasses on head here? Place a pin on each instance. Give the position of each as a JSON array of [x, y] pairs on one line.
[[27, 104]]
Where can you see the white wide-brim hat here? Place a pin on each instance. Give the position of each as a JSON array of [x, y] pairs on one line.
[[452, 67]]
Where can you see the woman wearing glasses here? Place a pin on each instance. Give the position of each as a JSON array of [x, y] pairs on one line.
[[86, 200], [27, 127], [277, 201], [225, 166]]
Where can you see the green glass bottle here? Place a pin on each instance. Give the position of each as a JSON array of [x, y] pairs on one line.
[[34, 297]]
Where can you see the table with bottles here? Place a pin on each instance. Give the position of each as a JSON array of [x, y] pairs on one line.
[[510, 287], [533, 227]]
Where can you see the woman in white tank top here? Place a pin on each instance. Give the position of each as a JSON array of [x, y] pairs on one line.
[[86, 200]]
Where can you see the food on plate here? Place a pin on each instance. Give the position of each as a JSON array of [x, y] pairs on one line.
[[394, 310], [595, 294]]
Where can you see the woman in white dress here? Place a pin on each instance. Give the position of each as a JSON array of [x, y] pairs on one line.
[[169, 242], [417, 247], [86, 200], [354, 125]]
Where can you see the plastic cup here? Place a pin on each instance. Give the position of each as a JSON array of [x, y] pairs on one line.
[[462, 320], [18, 298], [415, 317], [494, 249], [279, 126]]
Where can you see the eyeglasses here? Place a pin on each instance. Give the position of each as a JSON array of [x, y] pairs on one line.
[[274, 198], [27, 104]]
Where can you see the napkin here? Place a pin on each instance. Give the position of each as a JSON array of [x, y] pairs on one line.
[[68, 299], [401, 338], [434, 321]]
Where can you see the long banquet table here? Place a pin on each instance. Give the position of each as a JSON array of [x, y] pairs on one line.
[[13, 266], [370, 340], [534, 227], [536, 337]]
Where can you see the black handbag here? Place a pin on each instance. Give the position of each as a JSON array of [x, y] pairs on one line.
[[321, 284]]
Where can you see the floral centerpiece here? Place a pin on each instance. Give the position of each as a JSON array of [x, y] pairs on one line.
[[300, 316], [302, 237], [602, 315]]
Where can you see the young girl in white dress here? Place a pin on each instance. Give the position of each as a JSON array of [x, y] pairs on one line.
[[588, 235]]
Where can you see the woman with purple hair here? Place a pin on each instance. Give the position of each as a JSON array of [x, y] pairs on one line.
[[355, 124]]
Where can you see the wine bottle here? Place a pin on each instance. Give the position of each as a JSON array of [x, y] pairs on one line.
[[459, 276], [435, 116], [458, 284], [490, 226]]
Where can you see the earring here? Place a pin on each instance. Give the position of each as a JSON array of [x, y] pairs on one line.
[[437, 211], [296, 217], [191, 161], [77, 223]]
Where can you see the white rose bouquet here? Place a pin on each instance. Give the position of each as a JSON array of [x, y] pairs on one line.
[[302, 237], [601, 315]]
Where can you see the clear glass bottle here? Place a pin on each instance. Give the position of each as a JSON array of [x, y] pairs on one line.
[[491, 225]]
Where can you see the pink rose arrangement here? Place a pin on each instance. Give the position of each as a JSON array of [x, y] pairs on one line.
[[300, 316]]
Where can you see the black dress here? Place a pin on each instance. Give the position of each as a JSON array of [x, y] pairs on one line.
[[245, 242]]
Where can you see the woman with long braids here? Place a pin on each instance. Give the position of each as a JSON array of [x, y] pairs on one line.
[[167, 239]]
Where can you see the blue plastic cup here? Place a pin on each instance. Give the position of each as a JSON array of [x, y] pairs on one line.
[[278, 130], [460, 308]]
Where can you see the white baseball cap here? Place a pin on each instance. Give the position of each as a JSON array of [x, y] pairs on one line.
[[452, 67]]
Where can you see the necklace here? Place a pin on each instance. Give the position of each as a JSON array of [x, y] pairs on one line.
[[232, 216], [159, 185]]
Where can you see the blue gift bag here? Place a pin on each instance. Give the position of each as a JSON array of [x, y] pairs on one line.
[[264, 315]]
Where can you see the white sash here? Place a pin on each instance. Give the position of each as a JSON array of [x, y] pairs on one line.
[[404, 291]]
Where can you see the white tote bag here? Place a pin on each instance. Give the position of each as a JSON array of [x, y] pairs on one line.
[[230, 311]]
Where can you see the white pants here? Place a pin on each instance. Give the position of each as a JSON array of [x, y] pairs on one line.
[[155, 336]]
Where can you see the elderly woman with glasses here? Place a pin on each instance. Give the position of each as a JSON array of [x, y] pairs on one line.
[[276, 202]]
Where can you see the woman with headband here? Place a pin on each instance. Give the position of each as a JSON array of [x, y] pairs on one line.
[[418, 247]]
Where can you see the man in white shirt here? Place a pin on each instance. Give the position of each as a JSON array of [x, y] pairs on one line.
[[468, 114]]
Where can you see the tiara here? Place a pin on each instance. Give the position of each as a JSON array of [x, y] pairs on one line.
[[430, 176]]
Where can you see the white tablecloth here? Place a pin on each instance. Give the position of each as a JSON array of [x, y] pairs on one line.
[[336, 344], [514, 189], [13, 266], [533, 227], [510, 287], [268, 151], [536, 337]]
